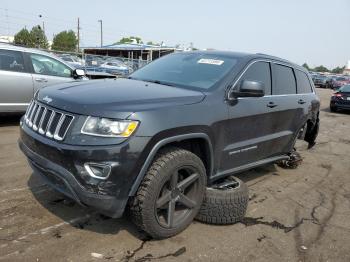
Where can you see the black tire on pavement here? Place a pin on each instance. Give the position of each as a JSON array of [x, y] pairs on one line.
[[170, 194], [333, 108], [224, 203]]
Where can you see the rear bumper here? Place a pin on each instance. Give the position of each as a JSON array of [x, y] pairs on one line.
[[341, 104]]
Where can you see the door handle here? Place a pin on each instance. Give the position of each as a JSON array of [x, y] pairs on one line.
[[301, 101], [41, 80], [271, 105]]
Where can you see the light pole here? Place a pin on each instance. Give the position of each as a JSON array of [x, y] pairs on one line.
[[100, 21]]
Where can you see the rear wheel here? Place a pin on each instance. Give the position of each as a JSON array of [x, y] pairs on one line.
[[333, 108], [170, 195]]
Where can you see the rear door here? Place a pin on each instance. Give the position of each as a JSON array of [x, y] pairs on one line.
[[250, 125], [48, 71], [16, 85], [289, 108]]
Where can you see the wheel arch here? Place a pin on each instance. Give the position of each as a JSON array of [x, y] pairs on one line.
[[190, 142]]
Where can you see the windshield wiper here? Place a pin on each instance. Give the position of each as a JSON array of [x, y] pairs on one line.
[[159, 82], [152, 81]]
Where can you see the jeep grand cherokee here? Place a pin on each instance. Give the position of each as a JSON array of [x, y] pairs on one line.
[[154, 142]]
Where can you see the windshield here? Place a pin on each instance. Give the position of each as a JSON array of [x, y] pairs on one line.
[[345, 88], [196, 70]]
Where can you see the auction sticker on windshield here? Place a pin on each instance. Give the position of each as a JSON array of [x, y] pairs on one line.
[[210, 61]]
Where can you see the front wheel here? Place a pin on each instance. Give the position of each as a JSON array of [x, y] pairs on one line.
[[170, 195], [333, 108]]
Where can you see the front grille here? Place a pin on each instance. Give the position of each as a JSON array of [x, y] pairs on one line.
[[47, 121]]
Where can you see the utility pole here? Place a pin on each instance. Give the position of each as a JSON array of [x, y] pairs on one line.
[[100, 21], [78, 47]]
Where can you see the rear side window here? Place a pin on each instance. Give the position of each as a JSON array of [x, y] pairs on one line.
[[11, 61], [259, 71], [284, 80], [303, 83]]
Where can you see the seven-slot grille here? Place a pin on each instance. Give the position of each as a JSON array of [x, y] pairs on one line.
[[47, 121]]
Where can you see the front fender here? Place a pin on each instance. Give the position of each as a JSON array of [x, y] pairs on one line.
[[159, 144]]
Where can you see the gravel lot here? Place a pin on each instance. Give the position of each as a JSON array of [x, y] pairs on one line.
[[293, 215]]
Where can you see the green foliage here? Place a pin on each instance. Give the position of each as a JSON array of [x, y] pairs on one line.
[[152, 43], [321, 68], [130, 39], [65, 41], [23, 37], [338, 70], [306, 66], [35, 38], [38, 38]]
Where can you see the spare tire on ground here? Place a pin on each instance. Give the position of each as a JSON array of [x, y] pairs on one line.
[[225, 202]]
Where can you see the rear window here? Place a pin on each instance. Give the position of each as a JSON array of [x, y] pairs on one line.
[[187, 70], [303, 83], [345, 88], [11, 61], [284, 80]]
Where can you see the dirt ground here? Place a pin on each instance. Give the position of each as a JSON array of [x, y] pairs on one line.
[[293, 215]]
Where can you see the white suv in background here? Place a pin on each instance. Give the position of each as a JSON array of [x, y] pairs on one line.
[[23, 71]]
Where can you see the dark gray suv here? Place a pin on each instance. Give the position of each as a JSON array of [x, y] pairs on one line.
[[158, 142]]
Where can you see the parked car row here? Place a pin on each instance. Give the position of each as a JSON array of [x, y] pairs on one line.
[[329, 81], [111, 65]]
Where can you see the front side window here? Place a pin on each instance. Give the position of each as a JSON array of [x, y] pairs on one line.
[[11, 61], [45, 65], [259, 72], [187, 70], [303, 83], [284, 80]]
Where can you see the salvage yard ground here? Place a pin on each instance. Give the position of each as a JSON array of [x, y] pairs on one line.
[[293, 215]]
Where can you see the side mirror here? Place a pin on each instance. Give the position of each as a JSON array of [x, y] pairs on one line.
[[77, 73], [248, 88]]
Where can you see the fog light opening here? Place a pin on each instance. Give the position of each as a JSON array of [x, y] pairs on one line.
[[97, 170]]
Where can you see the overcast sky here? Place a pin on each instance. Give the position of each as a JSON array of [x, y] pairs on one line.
[[312, 31]]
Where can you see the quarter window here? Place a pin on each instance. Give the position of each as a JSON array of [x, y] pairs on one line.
[[11, 61], [303, 83], [260, 72], [45, 65], [284, 80]]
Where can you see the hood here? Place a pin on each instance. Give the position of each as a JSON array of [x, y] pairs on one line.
[[115, 98]]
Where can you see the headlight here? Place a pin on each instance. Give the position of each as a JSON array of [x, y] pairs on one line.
[[97, 126]]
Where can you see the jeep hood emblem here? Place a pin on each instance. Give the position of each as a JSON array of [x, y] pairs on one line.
[[47, 99]]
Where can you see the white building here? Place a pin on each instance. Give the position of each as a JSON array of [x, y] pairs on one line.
[[6, 39], [347, 69]]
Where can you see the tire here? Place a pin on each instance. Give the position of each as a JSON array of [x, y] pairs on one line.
[[224, 206], [333, 109], [163, 205]]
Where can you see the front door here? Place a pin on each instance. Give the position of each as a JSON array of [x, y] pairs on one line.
[[48, 71], [251, 124]]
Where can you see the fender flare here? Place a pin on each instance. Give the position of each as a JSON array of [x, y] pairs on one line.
[[162, 143]]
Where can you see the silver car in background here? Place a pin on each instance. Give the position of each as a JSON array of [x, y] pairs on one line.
[[23, 71]]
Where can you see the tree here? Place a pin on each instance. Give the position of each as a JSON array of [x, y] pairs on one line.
[[338, 70], [129, 40], [321, 68], [65, 41], [306, 66], [23, 38], [38, 38], [152, 43]]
